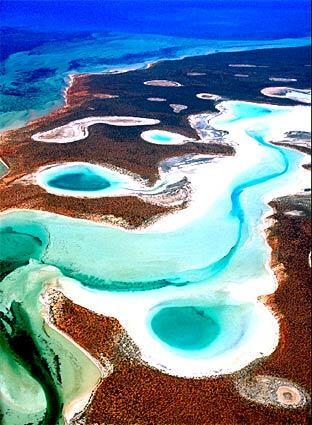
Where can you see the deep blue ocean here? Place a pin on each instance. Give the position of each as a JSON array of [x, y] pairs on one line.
[[217, 19], [43, 41]]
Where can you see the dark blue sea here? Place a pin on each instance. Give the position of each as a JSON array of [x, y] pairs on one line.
[[218, 19], [43, 41]]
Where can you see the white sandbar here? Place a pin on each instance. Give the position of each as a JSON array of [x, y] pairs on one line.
[[157, 99], [78, 129], [245, 65]]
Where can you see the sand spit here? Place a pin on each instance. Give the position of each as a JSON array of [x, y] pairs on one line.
[[50, 298], [298, 95], [78, 130], [162, 83]]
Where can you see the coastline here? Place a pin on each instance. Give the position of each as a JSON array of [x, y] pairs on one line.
[[226, 46]]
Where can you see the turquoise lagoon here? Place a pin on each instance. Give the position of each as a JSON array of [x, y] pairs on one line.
[[178, 278], [81, 179], [198, 331], [197, 328]]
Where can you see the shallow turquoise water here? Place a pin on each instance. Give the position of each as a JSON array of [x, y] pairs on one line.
[[22, 240], [186, 328], [242, 111], [200, 331]]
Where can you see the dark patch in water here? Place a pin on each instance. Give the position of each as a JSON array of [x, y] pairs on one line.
[[130, 58], [18, 247], [15, 40], [37, 74], [21, 345], [79, 182]]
